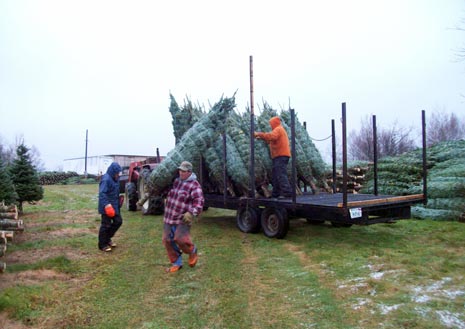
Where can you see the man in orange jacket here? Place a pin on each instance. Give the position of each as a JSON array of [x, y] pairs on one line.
[[280, 154]]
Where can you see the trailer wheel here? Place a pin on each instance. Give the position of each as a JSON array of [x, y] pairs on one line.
[[275, 222], [248, 219], [130, 196]]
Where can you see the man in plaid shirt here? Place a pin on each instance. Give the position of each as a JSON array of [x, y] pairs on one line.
[[184, 202]]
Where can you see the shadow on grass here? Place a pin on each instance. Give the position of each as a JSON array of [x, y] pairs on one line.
[[323, 235]]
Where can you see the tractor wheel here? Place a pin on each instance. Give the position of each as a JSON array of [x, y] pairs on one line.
[[248, 219], [275, 222], [131, 197]]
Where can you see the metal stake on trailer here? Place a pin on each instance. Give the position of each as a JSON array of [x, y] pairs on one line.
[[252, 137]]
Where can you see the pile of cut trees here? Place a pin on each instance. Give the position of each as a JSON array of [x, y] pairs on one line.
[[9, 224], [403, 175], [223, 134]]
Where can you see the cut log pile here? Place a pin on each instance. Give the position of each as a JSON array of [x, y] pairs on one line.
[[356, 176], [199, 136], [55, 177], [9, 223]]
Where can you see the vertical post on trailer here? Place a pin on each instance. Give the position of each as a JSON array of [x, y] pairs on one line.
[[252, 138], [293, 159], [333, 150], [425, 171], [158, 156], [305, 127], [375, 157], [344, 157]]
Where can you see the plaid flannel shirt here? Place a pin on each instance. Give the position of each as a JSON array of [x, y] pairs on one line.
[[184, 196]]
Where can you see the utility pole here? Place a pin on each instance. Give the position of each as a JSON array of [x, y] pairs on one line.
[[85, 159]]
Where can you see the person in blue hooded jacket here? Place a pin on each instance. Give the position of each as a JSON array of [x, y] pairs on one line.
[[109, 207]]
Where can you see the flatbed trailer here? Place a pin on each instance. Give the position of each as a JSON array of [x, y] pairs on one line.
[[341, 209], [273, 215], [344, 209]]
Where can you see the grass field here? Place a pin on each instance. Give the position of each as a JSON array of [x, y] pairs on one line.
[[404, 275]]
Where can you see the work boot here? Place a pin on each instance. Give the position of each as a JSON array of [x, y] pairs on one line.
[[193, 257], [106, 249], [173, 268]]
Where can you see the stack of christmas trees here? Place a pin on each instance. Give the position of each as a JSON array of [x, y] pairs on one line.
[[199, 136], [402, 175]]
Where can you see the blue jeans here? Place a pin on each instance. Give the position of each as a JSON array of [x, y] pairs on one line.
[[279, 177]]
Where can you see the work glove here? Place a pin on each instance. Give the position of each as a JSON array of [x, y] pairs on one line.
[[109, 210], [187, 218]]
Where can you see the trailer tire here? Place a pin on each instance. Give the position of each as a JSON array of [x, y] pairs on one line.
[[248, 219], [275, 223], [131, 196]]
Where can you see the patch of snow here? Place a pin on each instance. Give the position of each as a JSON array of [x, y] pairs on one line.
[[377, 275], [451, 320], [361, 302], [422, 294], [385, 309]]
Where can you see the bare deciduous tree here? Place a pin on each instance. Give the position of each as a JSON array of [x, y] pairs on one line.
[[393, 141], [444, 127], [8, 153]]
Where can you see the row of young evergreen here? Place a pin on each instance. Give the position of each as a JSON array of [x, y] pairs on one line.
[[19, 181]]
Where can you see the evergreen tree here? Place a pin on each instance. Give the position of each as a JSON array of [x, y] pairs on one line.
[[7, 189], [25, 177]]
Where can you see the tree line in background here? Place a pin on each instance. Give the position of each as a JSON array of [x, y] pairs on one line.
[[396, 140], [19, 180]]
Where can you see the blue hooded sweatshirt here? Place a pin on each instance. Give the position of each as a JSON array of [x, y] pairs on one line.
[[109, 189]]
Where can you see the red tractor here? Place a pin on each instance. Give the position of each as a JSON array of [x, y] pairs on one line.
[[133, 182]]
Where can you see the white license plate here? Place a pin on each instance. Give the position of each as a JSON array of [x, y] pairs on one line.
[[355, 212]]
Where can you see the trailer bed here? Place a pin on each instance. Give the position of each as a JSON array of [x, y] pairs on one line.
[[361, 209]]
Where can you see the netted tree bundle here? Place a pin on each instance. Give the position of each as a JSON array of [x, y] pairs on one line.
[[183, 118], [206, 143], [450, 168], [446, 179], [310, 152], [236, 169], [194, 143], [446, 203], [436, 214], [214, 163]]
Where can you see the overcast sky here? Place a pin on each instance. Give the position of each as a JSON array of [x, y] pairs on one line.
[[109, 66]]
